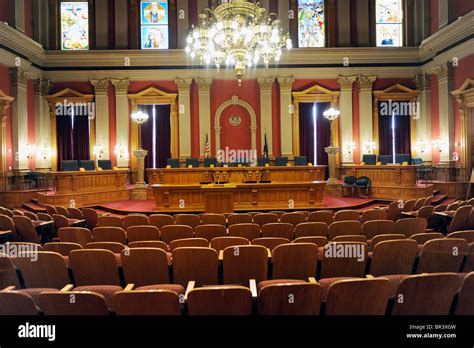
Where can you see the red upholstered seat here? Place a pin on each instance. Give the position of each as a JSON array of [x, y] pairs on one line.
[[107, 291], [172, 287]]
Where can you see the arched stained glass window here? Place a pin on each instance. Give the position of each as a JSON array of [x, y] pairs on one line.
[[311, 23]]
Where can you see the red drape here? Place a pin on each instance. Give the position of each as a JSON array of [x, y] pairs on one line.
[[64, 141], [81, 138], [160, 125], [402, 134], [323, 132]]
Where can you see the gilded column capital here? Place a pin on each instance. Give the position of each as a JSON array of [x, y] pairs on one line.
[[423, 82], [366, 82], [203, 84], [286, 83], [346, 82], [19, 77], [266, 83], [444, 71], [183, 84], [121, 85], [100, 86], [42, 86]]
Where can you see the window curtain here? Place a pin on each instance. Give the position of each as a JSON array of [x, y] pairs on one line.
[[81, 136], [159, 125], [64, 139], [402, 134], [323, 132]]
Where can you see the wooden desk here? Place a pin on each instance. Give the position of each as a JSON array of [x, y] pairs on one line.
[[235, 197], [182, 176], [89, 187], [390, 181]]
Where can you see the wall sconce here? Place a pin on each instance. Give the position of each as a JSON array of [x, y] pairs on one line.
[[421, 146], [28, 151], [369, 147], [438, 144], [46, 152], [98, 151], [349, 147], [121, 151]]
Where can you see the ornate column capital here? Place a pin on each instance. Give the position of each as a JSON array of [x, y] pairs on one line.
[[42, 86], [100, 86], [19, 77], [366, 82], [121, 85], [423, 82], [266, 83], [183, 84], [203, 84], [286, 83], [346, 82], [444, 71]]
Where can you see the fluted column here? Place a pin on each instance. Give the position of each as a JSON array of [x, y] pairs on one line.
[[42, 124], [345, 105], [101, 88], [286, 115], [366, 127], [204, 93], [19, 81], [266, 85], [5, 102], [444, 73], [184, 109], [423, 123], [122, 122]]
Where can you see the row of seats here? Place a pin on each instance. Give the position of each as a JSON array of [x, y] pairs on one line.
[[426, 294], [74, 165], [148, 264]]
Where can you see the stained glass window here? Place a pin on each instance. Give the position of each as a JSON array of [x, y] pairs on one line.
[[311, 23], [74, 25], [389, 23], [154, 23]]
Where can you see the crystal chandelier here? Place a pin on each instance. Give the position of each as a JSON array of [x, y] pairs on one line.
[[238, 34]]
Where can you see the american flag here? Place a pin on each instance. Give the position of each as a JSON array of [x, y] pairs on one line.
[[208, 148]]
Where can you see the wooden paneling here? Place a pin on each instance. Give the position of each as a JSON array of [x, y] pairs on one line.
[[220, 198], [93, 181], [84, 199], [181, 176]]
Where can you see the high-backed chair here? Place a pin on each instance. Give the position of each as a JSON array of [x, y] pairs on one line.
[[195, 263], [172, 232], [249, 231], [13, 302], [295, 261], [393, 257], [393, 211], [426, 294], [109, 234], [69, 166], [172, 162], [265, 218], [293, 218], [215, 219], [301, 161], [369, 159], [352, 265], [220, 300], [192, 162], [442, 255], [91, 217], [385, 159], [467, 235], [245, 262], [358, 297], [160, 220], [25, 229], [208, 161], [79, 235], [233, 219], [460, 219], [145, 266], [104, 164], [410, 226], [210, 231], [143, 232], [345, 215], [147, 302], [85, 303], [320, 241], [373, 214], [270, 242], [188, 242], [187, 219], [112, 221], [372, 228], [308, 229], [344, 228], [8, 274], [94, 267], [87, 164], [281, 161], [220, 243], [326, 216], [279, 230], [273, 298], [135, 220], [465, 300]]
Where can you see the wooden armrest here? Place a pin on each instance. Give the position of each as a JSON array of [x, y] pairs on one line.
[[129, 287], [221, 255], [67, 288], [269, 253], [253, 287], [9, 288], [189, 288], [369, 276], [312, 280], [3, 233]]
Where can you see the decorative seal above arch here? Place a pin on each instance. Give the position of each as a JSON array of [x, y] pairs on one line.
[[234, 100]]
